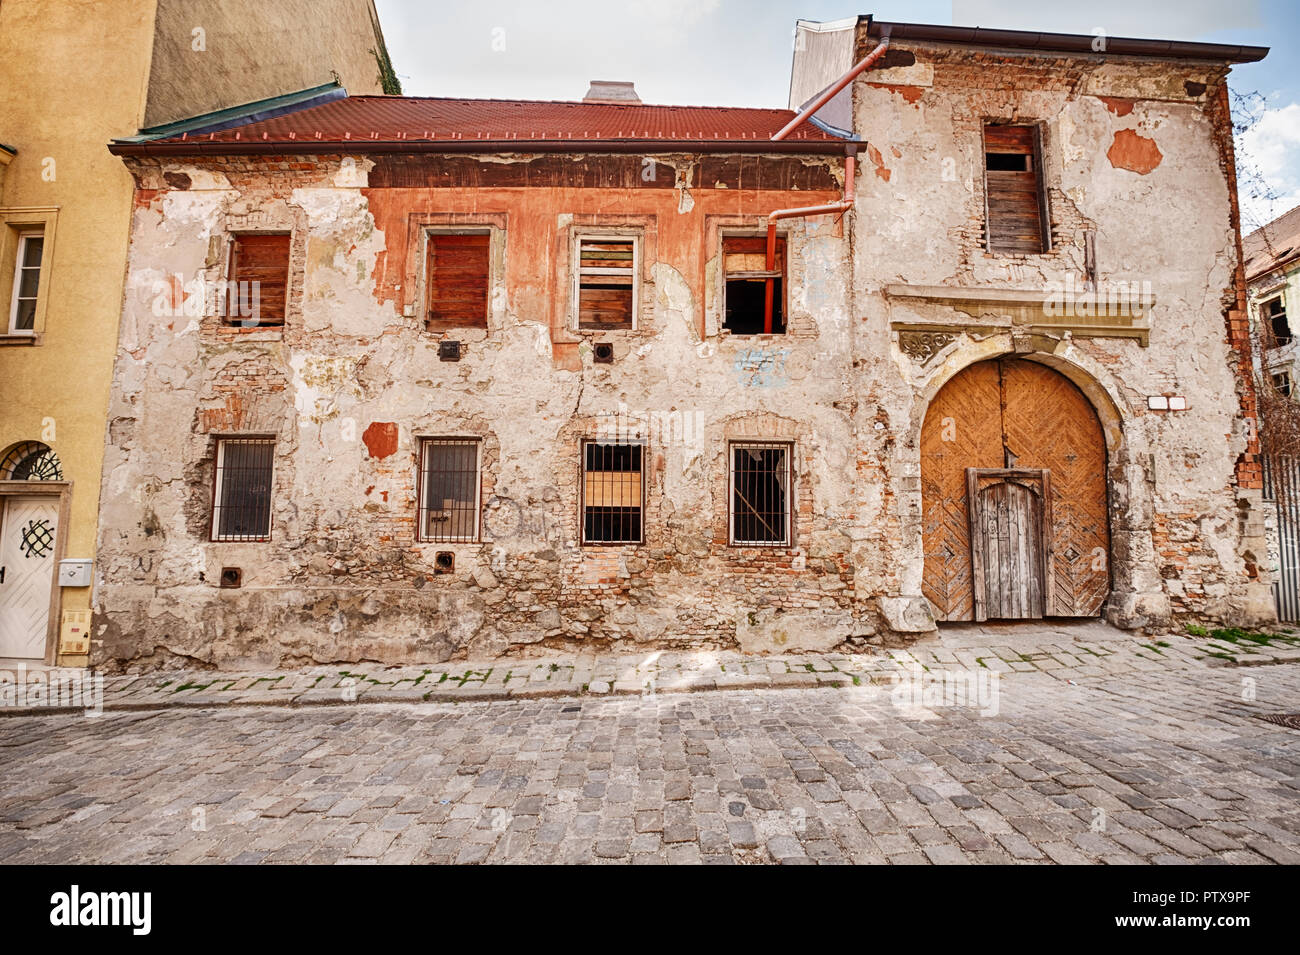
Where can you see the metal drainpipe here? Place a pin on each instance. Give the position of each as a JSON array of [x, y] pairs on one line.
[[829, 93], [850, 167], [844, 205]]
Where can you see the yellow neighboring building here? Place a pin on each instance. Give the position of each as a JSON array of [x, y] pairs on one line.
[[74, 76]]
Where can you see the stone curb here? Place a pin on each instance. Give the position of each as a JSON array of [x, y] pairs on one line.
[[606, 678]]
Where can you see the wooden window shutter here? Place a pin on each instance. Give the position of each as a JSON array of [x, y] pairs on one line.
[[606, 283], [1016, 206], [261, 258], [456, 277]]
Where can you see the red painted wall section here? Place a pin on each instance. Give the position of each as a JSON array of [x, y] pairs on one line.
[[381, 439], [537, 275]]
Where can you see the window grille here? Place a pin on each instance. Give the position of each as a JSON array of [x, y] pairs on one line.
[[760, 494], [449, 489], [241, 502], [612, 491]]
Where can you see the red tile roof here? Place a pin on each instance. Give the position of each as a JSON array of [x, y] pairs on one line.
[[1273, 245], [396, 123]]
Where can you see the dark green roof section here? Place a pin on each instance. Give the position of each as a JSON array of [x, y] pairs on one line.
[[241, 115]]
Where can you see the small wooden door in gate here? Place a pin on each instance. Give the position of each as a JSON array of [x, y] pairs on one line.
[[1011, 542]]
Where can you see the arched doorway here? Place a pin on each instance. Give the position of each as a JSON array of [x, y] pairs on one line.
[[1013, 496], [31, 511]]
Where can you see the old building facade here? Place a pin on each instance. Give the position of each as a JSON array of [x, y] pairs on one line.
[[508, 377]]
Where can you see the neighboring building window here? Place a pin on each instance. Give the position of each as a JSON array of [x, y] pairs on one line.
[[1282, 382], [612, 490], [457, 266], [257, 287], [1273, 311], [1016, 205], [27, 282], [241, 502], [760, 494], [606, 280], [449, 489], [744, 267]]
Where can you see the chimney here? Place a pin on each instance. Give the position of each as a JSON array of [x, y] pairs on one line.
[[611, 91]]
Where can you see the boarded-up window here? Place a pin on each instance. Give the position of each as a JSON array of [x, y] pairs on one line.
[[744, 266], [612, 487], [456, 278], [258, 284], [449, 489], [760, 494], [241, 502], [1013, 181], [606, 277]]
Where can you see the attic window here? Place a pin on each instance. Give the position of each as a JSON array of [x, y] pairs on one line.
[[258, 279], [606, 280], [744, 267], [1016, 206], [456, 279]]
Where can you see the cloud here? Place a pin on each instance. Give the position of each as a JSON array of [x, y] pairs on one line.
[[1271, 148]]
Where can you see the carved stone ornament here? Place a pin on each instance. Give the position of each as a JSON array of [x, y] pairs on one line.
[[922, 346]]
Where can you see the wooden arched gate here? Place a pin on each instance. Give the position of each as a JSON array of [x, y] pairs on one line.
[[1013, 496]]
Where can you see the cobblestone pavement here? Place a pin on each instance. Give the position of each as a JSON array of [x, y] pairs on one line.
[[1165, 763]]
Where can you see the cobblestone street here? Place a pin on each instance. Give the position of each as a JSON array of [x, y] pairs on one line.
[[1167, 764]]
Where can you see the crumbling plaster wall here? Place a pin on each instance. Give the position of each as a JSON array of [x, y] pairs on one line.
[[1131, 153], [351, 383]]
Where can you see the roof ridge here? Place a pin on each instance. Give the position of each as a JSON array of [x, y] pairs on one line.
[[565, 102]]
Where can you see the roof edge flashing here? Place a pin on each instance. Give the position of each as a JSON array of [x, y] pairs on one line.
[[242, 115], [1076, 43]]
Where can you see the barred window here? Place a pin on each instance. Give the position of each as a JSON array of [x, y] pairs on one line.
[[241, 502], [612, 489], [760, 494], [606, 279], [449, 489]]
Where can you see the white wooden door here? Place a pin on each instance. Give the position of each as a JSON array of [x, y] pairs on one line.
[[27, 536]]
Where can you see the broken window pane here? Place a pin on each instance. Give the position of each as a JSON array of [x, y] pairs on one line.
[[744, 266], [611, 493], [760, 494], [1275, 314]]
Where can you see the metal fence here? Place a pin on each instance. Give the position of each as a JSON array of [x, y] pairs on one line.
[[1282, 487]]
